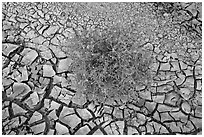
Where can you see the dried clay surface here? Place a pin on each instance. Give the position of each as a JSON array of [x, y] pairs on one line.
[[101, 68]]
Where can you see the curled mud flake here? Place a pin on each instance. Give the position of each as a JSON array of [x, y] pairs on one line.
[[61, 129], [48, 71], [20, 89], [64, 65], [29, 57], [39, 129], [17, 109]]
